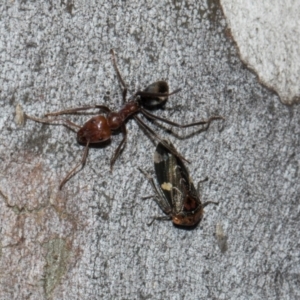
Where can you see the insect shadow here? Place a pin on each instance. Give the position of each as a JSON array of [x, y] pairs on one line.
[[100, 128], [175, 194]]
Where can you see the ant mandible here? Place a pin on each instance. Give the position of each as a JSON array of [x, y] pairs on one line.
[[99, 128]]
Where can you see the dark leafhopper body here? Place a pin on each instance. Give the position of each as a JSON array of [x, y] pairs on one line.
[[176, 194]]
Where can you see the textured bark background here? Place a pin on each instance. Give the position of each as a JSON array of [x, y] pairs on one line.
[[268, 37], [91, 240]]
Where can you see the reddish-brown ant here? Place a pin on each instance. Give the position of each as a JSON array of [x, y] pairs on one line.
[[99, 128]]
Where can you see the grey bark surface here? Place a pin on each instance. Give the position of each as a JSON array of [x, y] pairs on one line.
[[91, 240], [267, 34]]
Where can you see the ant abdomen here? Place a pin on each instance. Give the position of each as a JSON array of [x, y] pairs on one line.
[[94, 131]]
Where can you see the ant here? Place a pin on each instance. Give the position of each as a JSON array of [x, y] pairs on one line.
[[100, 128]]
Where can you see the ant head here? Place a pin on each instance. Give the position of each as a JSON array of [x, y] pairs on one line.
[[150, 97], [95, 130]]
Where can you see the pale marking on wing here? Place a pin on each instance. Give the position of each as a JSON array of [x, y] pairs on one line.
[[158, 158], [167, 186]]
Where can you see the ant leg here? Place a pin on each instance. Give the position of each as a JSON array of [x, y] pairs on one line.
[[154, 117], [64, 122], [77, 109], [120, 147], [152, 133], [81, 163], [148, 197], [124, 90], [124, 94], [113, 57]]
